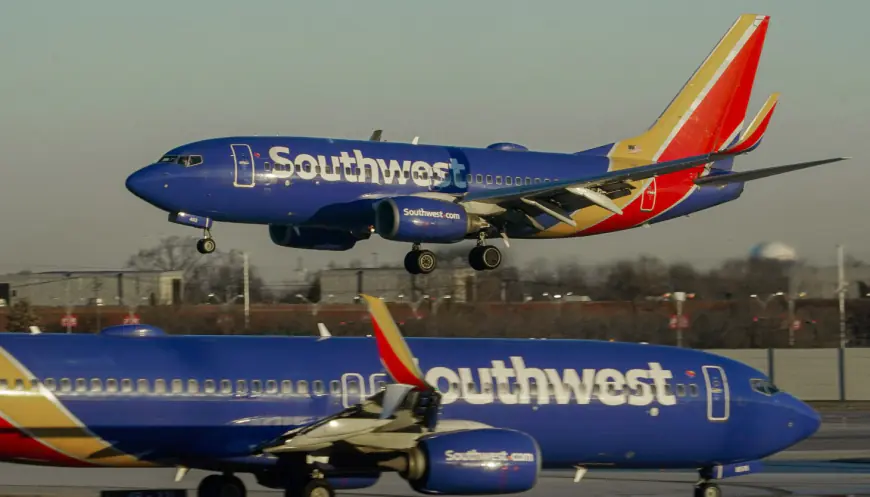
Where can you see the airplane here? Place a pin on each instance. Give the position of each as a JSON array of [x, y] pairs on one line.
[[329, 194], [315, 414]]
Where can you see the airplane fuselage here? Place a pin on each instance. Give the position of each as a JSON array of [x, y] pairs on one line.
[[205, 401], [333, 184]]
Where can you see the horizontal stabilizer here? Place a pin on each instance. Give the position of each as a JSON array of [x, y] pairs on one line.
[[724, 179]]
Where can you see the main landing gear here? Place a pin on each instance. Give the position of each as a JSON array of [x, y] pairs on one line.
[[706, 488], [296, 484], [420, 261], [481, 258], [206, 244]]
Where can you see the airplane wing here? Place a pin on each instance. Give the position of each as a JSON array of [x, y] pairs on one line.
[[393, 419], [558, 197]]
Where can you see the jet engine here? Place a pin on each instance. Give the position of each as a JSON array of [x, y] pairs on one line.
[[424, 220], [474, 462], [311, 238]]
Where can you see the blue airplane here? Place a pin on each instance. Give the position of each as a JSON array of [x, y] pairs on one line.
[[314, 414], [329, 194]]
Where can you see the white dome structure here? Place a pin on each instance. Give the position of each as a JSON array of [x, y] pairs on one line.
[[773, 251]]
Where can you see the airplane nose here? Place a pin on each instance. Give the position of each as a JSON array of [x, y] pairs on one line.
[[804, 421], [148, 183]]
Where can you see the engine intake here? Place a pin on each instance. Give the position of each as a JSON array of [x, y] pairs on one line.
[[422, 220], [311, 238], [474, 462]]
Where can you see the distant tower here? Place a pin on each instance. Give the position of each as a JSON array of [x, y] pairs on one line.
[[776, 251]]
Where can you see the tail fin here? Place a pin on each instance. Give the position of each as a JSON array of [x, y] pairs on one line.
[[708, 112]]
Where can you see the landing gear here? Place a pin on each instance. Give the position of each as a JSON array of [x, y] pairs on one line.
[[316, 487], [226, 485], [420, 261], [206, 244], [707, 489], [484, 257]]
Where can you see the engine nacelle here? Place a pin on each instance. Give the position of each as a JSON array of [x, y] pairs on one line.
[[311, 238], [474, 462], [424, 220]]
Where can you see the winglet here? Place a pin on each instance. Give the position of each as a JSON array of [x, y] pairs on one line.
[[392, 348], [751, 138]]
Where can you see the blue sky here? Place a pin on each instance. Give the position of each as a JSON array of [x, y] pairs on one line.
[[93, 90]]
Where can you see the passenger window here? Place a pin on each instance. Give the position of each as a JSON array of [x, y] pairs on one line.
[[142, 386], [111, 385], [352, 387], [302, 387], [509, 180], [528, 181], [488, 179], [693, 390], [126, 385], [537, 180], [669, 390], [498, 180], [681, 390], [96, 385], [318, 387], [210, 386], [65, 385], [192, 386], [241, 387], [479, 179], [49, 384], [334, 386], [3, 384], [271, 387], [256, 387], [81, 385], [267, 166], [19, 385], [286, 387], [177, 386], [226, 387], [160, 386]]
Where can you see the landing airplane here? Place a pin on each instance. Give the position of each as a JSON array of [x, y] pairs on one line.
[[328, 194], [311, 415]]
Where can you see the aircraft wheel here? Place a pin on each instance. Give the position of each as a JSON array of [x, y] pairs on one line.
[[484, 258], [221, 486], [426, 261], [411, 262], [708, 490], [206, 245], [314, 488]]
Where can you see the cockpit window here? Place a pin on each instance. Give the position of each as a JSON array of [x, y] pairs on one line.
[[190, 160], [763, 386], [168, 158]]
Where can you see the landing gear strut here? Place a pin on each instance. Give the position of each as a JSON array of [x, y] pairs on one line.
[[226, 485], [206, 244], [420, 261], [484, 257]]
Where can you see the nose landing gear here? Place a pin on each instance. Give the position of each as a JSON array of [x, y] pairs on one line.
[[206, 244]]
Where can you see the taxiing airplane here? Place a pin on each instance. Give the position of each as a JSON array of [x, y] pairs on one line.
[[328, 194], [311, 415]]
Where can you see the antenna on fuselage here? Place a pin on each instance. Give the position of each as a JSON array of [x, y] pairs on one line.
[[324, 331], [376, 135]]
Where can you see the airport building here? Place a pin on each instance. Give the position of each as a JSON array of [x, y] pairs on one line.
[[82, 288], [396, 285]]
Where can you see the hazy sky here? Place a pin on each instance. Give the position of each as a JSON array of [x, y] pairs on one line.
[[92, 90]]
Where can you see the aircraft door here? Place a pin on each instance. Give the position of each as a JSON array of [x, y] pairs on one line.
[[648, 199], [353, 389], [718, 395], [244, 160]]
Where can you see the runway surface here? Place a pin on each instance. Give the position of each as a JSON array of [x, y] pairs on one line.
[[835, 462]]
